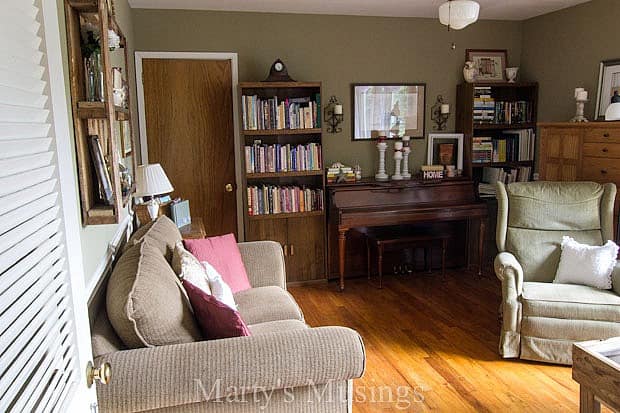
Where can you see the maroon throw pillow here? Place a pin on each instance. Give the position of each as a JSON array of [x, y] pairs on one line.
[[216, 319], [223, 254]]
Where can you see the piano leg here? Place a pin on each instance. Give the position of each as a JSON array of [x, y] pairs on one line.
[[342, 244], [481, 245]]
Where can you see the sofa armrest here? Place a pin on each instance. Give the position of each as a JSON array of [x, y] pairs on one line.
[[161, 377], [264, 263], [615, 278], [510, 273]]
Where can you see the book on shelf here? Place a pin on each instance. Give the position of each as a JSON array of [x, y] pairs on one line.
[[274, 113], [273, 199], [488, 110], [510, 146], [262, 158], [491, 176]]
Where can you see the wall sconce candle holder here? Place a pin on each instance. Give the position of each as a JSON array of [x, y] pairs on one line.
[[440, 113], [333, 115]]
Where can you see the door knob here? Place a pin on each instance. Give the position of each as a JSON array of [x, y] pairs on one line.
[[102, 374], [228, 187]]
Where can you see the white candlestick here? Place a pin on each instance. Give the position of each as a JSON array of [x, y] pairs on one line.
[[398, 156], [405, 174], [577, 90], [582, 95], [445, 109], [337, 109], [381, 175]]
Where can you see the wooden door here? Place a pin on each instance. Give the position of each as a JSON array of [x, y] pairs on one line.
[[189, 128], [559, 153], [306, 251], [267, 229]]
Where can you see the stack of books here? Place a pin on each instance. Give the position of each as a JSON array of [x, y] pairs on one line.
[[484, 105], [275, 113], [261, 158], [346, 171], [511, 146], [491, 176], [272, 199]]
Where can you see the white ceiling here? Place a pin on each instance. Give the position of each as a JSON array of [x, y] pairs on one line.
[[489, 9]]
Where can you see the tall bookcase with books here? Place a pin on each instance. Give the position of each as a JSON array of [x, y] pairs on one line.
[[498, 121], [283, 177]]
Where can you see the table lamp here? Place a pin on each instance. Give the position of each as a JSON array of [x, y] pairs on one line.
[[151, 180]]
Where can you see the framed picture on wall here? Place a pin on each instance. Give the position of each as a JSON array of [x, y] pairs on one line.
[[608, 85], [490, 64], [445, 149], [387, 109]]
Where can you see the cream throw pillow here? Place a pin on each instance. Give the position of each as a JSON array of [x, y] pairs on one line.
[[202, 275], [586, 264], [187, 267]]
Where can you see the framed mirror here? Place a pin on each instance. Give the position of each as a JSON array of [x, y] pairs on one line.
[[389, 109]]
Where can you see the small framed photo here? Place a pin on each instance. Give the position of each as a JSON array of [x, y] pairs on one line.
[[490, 64], [445, 149], [608, 85]]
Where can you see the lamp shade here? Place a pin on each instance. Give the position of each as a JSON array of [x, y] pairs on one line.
[[152, 180], [613, 112], [458, 14]]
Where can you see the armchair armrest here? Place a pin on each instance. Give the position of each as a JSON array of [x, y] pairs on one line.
[[510, 272], [264, 263], [615, 278], [167, 376]]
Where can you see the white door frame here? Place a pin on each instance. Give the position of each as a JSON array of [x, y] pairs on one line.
[[82, 398], [235, 102]]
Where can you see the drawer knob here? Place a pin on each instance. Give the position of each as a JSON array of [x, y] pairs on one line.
[[603, 171], [605, 150], [606, 135]]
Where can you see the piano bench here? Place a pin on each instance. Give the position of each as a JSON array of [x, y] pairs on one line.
[[402, 237]]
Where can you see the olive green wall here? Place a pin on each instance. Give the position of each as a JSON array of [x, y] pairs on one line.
[[337, 50], [562, 51], [96, 238]]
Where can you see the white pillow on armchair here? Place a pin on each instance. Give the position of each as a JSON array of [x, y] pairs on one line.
[[586, 264]]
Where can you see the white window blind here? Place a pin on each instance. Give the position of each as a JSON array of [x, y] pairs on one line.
[[37, 342]]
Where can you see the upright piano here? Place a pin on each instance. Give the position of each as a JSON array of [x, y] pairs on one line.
[[370, 203]]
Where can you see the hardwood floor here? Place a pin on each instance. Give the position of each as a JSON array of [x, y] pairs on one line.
[[431, 344]]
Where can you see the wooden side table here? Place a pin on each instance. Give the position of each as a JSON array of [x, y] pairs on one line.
[[194, 230], [596, 367]]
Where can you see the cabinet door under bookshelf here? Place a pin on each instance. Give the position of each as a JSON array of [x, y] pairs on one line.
[[284, 188]]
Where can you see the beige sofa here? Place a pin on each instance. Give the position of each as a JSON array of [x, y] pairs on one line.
[[540, 319], [285, 366]]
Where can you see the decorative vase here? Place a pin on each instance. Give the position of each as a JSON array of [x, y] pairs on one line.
[[94, 77], [469, 72], [511, 74]]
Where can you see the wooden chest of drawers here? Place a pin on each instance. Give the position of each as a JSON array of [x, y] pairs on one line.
[[580, 152]]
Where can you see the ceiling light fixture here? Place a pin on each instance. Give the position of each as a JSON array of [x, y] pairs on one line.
[[458, 14]]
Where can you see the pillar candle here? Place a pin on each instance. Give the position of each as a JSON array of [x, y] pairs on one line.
[[337, 109], [398, 145], [445, 108], [582, 95], [577, 90]]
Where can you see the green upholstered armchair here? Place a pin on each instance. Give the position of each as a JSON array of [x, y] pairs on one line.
[[540, 319]]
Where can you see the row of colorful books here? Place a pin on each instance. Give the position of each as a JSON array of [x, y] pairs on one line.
[[489, 110], [274, 113], [510, 146], [261, 158], [271, 199]]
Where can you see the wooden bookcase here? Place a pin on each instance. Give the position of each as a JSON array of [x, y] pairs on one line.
[[465, 124], [101, 118], [302, 234]]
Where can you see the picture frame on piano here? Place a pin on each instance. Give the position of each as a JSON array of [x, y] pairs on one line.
[[445, 149]]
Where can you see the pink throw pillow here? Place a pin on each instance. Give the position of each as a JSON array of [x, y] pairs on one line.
[[216, 319], [223, 254]]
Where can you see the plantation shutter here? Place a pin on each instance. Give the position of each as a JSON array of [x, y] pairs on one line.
[[38, 355]]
